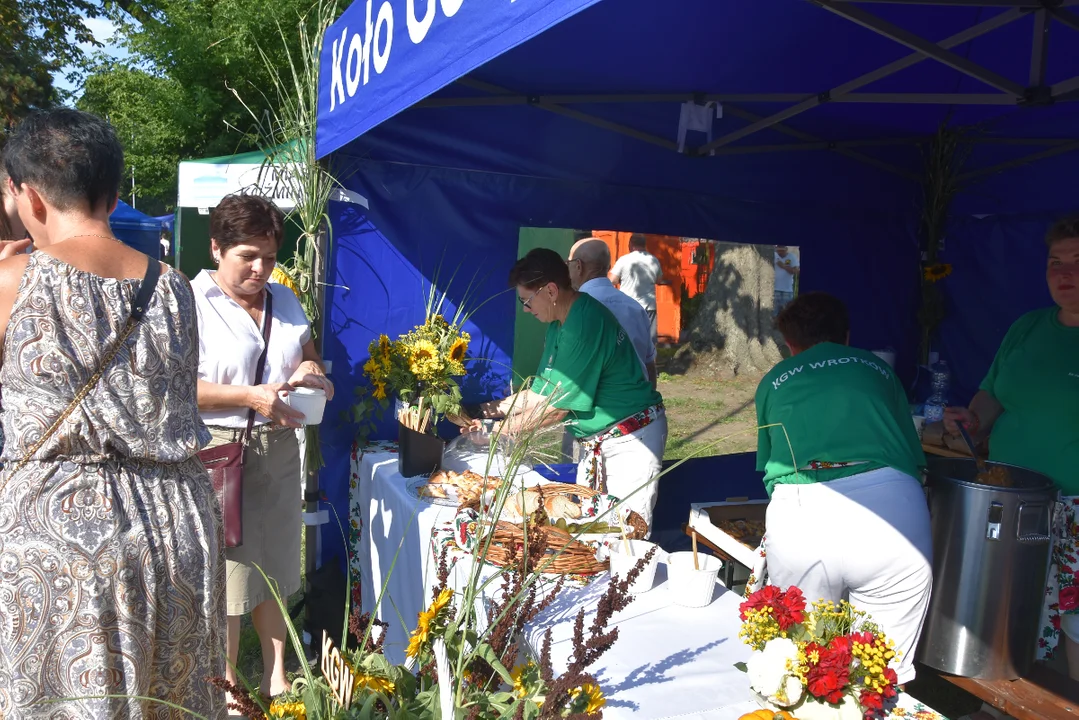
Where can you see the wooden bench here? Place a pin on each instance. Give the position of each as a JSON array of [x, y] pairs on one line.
[[1044, 695]]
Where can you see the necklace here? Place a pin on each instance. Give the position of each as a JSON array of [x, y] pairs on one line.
[[95, 235]]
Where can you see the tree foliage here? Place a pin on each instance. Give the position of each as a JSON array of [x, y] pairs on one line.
[[172, 98]]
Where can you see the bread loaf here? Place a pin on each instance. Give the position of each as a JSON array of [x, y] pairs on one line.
[[560, 506], [526, 502]]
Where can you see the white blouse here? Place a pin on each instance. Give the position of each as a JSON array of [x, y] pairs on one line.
[[230, 343]]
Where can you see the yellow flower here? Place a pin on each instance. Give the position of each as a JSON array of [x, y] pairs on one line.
[[423, 623], [384, 345], [371, 367], [436, 321], [458, 350], [280, 276], [937, 271], [424, 362], [593, 695], [294, 710], [374, 683], [380, 391]]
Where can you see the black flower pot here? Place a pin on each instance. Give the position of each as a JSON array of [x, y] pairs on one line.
[[418, 453]]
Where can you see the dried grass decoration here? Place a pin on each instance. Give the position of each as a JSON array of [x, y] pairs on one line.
[[563, 553]]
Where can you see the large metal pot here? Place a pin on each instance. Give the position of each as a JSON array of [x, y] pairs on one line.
[[991, 548]]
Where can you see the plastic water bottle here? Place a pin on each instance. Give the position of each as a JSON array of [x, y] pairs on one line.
[[940, 382]]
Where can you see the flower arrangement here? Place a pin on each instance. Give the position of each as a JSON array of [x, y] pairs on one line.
[[420, 368], [832, 655]]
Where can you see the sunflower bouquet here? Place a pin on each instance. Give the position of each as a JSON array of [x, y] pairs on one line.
[[419, 368]]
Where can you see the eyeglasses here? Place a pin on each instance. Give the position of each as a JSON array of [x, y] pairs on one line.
[[527, 304]]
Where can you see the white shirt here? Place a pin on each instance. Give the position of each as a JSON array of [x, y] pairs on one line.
[[637, 273], [784, 279], [630, 315], [230, 343]]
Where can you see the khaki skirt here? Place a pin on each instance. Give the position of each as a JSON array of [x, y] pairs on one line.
[[271, 517]]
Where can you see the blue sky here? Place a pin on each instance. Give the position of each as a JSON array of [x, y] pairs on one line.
[[105, 33]]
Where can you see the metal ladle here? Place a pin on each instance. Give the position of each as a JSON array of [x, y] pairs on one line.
[[970, 446]]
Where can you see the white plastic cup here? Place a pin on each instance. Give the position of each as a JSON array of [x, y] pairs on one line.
[[919, 424], [887, 356], [310, 401], [621, 563], [690, 587]]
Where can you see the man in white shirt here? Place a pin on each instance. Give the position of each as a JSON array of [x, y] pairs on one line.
[[589, 263], [637, 275], [786, 270]]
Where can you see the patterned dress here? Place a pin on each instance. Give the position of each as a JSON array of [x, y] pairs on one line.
[[111, 552]]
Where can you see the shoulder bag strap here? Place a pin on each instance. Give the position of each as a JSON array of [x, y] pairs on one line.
[[138, 309], [267, 326]]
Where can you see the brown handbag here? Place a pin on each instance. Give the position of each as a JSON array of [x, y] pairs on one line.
[[225, 463]]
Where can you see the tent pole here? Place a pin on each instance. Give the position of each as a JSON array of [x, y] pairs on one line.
[[890, 69], [916, 42], [882, 98], [1040, 48], [1019, 162], [1066, 18]]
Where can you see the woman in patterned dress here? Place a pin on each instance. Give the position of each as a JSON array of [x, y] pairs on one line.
[[111, 554]]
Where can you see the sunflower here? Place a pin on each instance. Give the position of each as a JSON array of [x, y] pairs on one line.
[[293, 710], [937, 271], [384, 346], [458, 349], [436, 321], [424, 362], [592, 696], [374, 683], [280, 276], [423, 622], [371, 367], [380, 391]]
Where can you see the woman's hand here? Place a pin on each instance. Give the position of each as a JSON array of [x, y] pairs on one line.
[[10, 248], [266, 402], [310, 374], [956, 416]]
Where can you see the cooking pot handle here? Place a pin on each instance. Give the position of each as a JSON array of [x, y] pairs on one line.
[[1036, 538]]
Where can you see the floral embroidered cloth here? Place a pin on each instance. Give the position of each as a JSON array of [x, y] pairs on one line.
[[1062, 589]]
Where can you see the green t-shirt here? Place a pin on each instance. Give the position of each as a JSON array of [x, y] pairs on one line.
[[1035, 376], [591, 361], [837, 404]]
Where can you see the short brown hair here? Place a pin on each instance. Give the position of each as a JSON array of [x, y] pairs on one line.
[[1066, 229], [539, 267], [239, 218], [813, 318]]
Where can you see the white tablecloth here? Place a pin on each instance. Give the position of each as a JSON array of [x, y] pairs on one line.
[[669, 661]]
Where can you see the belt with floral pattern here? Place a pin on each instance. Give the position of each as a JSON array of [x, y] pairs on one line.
[[595, 467]]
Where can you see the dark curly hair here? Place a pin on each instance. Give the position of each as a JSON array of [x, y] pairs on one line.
[[1066, 229], [239, 218], [813, 318]]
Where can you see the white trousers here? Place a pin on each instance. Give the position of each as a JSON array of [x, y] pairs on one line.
[[632, 463], [865, 539]]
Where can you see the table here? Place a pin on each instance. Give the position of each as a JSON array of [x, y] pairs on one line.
[[669, 662], [1044, 695]]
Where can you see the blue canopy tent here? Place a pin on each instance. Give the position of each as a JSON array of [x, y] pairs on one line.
[[136, 229], [463, 122]]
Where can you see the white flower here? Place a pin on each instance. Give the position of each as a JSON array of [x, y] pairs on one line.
[[771, 672]]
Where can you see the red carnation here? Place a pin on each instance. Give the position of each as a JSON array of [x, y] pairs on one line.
[[872, 702], [829, 677], [1069, 598], [767, 596], [790, 610]]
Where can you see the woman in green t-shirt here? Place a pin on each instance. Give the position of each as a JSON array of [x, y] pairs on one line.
[[1028, 407], [847, 518], [591, 379]]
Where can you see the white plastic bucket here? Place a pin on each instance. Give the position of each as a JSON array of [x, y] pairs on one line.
[[621, 563], [310, 401], [690, 587], [887, 356]]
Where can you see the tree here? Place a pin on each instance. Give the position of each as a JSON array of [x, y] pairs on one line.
[[735, 317], [25, 76], [173, 99], [153, 117]]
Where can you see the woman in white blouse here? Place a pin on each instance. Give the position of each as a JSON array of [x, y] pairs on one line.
[[246, 233]]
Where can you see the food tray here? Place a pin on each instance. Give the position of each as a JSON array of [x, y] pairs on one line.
[[705, 519]]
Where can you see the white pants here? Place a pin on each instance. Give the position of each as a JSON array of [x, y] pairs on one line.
[[632, 463], [865, 538]]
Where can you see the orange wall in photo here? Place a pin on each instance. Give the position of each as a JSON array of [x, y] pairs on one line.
[[668, 250]]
